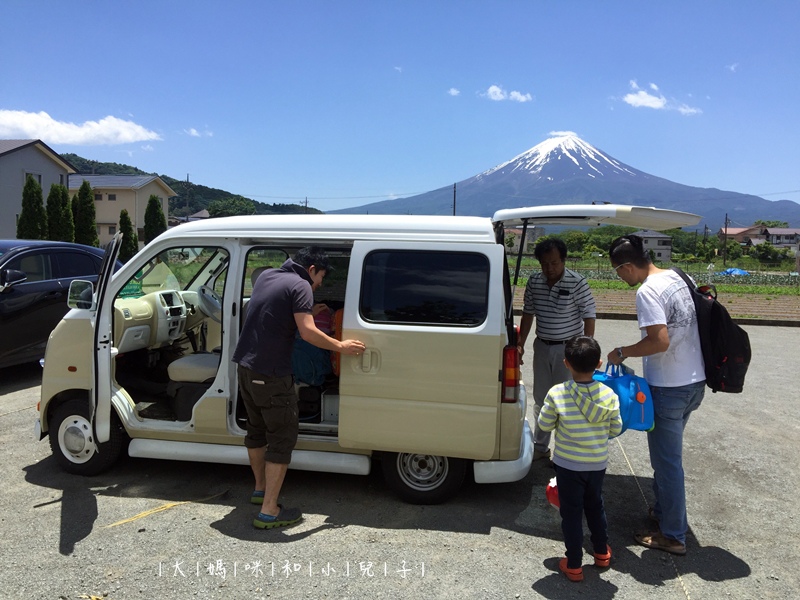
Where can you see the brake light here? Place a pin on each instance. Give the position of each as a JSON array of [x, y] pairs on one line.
[[510, 374]]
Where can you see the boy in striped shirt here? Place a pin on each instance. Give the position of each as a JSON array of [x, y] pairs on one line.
[[584, 413]]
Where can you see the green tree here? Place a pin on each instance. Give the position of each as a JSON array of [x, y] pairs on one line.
[[575, 240], [32, 224], [59, 217], [229, 207], [130, 242], [68, 223], [155, 223], [779, 224], [85, 216]]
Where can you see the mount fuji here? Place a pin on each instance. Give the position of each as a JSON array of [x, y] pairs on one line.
[[567, 170]]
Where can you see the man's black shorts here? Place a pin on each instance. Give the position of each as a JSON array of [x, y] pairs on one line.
[[272, 416]]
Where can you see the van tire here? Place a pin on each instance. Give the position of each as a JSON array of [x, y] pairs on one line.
[[72, 439], [423, 478]]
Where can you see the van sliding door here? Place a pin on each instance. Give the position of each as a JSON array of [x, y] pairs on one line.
[[430, 315]]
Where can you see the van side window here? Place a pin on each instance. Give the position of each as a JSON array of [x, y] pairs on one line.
[[424, 287]]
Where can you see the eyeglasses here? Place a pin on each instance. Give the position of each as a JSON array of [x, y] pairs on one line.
[[618, 266]]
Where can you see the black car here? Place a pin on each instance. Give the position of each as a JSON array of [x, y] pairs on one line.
[[34, 281]]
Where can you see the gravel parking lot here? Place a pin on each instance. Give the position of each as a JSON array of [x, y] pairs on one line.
[[160, 529]]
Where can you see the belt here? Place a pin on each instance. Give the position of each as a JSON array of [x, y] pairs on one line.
[[551, 342]]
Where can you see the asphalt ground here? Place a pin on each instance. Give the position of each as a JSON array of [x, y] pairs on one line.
[[162, 529]]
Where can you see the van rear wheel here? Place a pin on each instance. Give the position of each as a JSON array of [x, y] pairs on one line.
[[73, 443], [423, 478]]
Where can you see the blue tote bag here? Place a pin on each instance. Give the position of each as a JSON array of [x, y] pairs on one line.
[[635, 400]]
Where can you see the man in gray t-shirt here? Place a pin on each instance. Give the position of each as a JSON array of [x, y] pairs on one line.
[[282, 303]]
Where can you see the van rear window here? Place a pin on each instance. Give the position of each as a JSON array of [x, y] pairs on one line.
[[424, 287]]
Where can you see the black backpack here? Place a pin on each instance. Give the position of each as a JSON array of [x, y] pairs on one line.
[[725, 345]]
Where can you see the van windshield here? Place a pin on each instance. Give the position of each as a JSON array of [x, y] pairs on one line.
[[177, 269]]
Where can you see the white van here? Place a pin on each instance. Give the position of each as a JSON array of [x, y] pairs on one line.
[[143, 361]]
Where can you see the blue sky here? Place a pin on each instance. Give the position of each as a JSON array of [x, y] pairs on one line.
[[349, 102]]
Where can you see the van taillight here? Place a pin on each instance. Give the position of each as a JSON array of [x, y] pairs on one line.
[[510, 374]]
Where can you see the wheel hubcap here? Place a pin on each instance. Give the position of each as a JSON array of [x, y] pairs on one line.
[[422, 471], [76, 439]]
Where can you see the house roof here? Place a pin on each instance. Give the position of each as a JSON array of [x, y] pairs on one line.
[[118, 182], [782, 231], [9, 146], [738, 230], [646, 233]]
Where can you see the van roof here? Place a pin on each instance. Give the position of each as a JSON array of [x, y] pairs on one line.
[[337, 227]]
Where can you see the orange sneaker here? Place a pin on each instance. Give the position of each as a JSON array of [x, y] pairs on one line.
[[603, 560], [572, 574]]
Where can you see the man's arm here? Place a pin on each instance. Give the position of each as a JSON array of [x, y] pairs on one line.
[[656, 340], [588, 327], [525, 323], [309, 332]]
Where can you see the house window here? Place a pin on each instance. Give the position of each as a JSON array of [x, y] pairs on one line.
[[61, 179], [36, 177], [112, 229], [98, 197], [112, 197]]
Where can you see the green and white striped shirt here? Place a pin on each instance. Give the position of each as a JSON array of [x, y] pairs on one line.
[[584, 416]]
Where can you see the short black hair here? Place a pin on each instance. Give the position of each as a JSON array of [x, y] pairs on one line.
[[629, 249], [583, 353], [313, 255], [548, 245]]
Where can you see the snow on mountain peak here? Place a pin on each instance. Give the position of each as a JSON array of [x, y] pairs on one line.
[[567, 146]]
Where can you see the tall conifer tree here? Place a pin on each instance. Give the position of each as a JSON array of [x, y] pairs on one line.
[[155, 223], [85, 220], [32, 224], [130, 241]]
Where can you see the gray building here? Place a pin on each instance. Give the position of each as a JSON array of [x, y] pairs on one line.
[[18, 159], [659, 243]]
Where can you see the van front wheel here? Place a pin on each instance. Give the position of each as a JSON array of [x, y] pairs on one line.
[[423, 478], [73, 443]]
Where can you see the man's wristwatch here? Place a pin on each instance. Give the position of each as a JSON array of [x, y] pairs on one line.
[[620, 355]]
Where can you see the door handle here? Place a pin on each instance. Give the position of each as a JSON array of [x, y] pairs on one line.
[[50, 295], [370, 361]]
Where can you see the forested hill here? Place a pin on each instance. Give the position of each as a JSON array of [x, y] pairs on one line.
[[192, 197]]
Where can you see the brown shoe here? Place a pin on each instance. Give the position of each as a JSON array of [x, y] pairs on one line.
[[657, 541]]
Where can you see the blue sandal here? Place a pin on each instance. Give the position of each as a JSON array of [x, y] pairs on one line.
[[287, 516], [257, 497]]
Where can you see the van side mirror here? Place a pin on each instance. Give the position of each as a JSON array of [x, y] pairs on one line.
[[80, 294], [11, 277]]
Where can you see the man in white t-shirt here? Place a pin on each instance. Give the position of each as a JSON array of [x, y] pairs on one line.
[[674, 368]]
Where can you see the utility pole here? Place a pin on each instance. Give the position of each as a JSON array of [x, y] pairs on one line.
[[454, 199], [725, 246]]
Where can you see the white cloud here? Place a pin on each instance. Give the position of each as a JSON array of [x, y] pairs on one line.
[[688, 110], [148, 148], [497, 93], [520, 97], [107, 131], [195, 133], [733, 67], [399, 69], [639, 98], [562, 133], [454, 92], [642, 98]]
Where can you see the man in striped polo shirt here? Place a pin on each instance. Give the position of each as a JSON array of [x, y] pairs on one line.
[[564, 307]]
